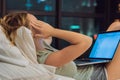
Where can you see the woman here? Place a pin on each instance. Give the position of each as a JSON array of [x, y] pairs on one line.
[[62, 59]]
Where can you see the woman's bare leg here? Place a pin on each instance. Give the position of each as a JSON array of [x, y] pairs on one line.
[[113, 68], [114, 26]]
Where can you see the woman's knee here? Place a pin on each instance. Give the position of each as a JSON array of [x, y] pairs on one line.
[[114, 26]]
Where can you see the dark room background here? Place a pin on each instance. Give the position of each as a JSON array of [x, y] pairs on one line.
[[83, 16]]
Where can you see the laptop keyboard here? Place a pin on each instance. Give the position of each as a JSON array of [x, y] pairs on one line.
[[90, 60], [87, 60]]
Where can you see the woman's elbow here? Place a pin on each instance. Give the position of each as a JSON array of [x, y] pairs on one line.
[[87, 43], [90, 41]]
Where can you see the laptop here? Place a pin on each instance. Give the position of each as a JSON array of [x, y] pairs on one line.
[[103, 49]]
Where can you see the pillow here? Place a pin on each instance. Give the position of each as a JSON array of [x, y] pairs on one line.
[[10, 53], [24, 41]]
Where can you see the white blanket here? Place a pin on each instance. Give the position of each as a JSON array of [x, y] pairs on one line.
[[30, 72], [10, 53], [15, 66]]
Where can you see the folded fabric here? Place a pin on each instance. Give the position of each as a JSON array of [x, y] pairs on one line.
[[10, 53]]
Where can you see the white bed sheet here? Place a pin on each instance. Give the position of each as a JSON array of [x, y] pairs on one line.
[[30, 72]]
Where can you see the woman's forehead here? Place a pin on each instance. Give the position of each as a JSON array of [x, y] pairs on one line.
[[30, 16]]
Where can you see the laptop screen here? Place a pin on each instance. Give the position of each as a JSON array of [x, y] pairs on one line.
[[105, 45]]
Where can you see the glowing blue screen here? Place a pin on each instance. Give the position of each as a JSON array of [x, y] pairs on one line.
[[105, 45]]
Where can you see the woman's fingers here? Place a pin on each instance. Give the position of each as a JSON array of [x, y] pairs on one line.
[[35, 27], [38, 23], [42, 28]]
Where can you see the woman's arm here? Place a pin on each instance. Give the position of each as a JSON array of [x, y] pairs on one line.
[[79, 43]]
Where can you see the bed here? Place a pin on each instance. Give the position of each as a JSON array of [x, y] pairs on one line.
[[15, 66]]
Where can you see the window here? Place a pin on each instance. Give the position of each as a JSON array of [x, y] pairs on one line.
[[32, 5], [83, 16]]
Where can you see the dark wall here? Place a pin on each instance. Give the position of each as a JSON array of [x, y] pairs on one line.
[[108, 10], [0, 8]]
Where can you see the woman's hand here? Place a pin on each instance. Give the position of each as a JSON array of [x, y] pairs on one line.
[[41, 29]]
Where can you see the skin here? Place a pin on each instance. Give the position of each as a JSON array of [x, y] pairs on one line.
[[79, 42], [113, 68]]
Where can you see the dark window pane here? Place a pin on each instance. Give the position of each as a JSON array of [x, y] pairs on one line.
[[81, 25], [41, 5], [49, 19], [83, 6], [87, 26], [0, 15], [0, 6]]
